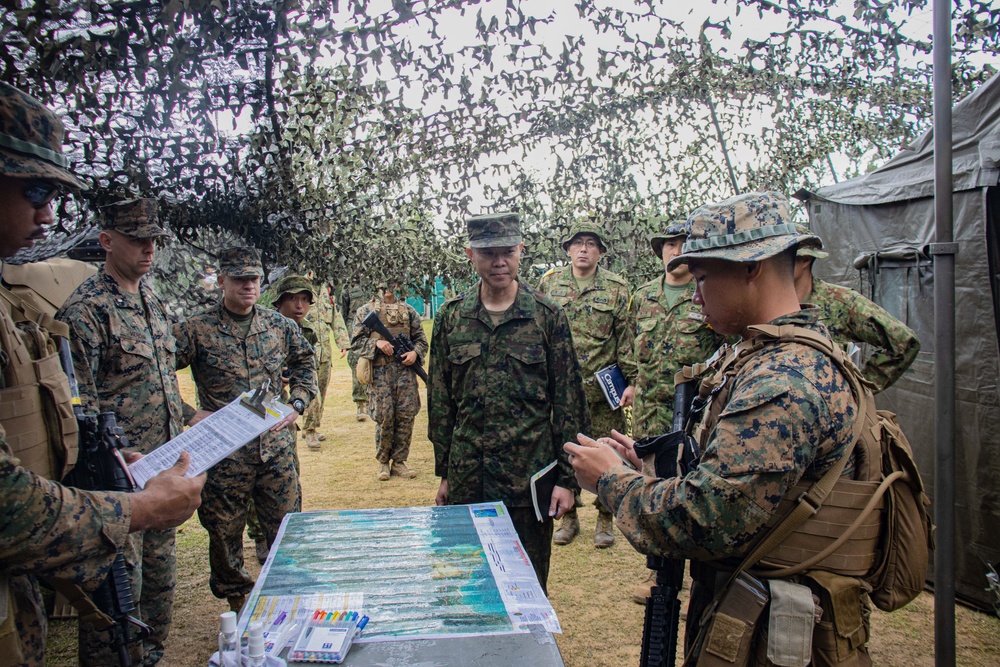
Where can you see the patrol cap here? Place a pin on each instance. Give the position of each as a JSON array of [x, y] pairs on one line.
[[673, 230], [31, 140], [494, 230], [745, 228], [584, 226], [240, 262], [133, 217], [294, 285], [812, 249]]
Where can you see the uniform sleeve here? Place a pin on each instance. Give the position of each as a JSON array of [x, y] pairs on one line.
[[53, 530], [184, 357], [894, 344], [88, 343], [624, 333], [761, 446], [301, 364], [417, 335], [569, 403], [361, 336], [441, 406], [340, 335]]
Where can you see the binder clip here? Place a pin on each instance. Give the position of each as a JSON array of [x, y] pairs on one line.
[[255, 401]]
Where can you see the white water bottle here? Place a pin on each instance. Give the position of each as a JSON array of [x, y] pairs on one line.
[[229, 643], [255, 643]]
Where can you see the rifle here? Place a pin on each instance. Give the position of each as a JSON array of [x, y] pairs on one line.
[[401, 344], [676, 453], [101, 467]]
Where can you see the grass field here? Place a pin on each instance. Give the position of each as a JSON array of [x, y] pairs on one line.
[[590, 589]]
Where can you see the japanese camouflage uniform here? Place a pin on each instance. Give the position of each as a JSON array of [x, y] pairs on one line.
[[851, 318], [123, 352], [353, 299], [393, 397], [667, 338], [789, 416], [598, 318], [502, 399], [223, 366], [46, 529], [323, 319]]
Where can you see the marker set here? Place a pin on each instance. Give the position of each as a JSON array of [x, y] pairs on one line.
[[328, 636]]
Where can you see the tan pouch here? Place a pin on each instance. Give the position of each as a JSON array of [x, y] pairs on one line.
[[790, 624], [841, 636], [733, 622], [10, 644], [364, 371]]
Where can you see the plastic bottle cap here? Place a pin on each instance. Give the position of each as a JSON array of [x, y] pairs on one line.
[[228, 621], [255, 639]]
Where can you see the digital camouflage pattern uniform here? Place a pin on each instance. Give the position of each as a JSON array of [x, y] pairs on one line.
[[45, 529], [501, 402], [789, 416], [123, 353], [352, 299], [393, 397], [598, 317], [223, 366], [323, 319]]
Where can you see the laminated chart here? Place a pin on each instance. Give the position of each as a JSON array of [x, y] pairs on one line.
[[417, 572]]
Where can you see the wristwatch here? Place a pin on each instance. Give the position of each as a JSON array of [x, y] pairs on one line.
[[298, 405]]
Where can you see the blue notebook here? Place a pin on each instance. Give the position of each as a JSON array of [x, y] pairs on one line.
[[613, 384]]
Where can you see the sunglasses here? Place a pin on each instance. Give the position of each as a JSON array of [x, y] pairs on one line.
[[40, 193]]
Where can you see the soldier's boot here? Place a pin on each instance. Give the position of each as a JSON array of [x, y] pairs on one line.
[[362, 411], [236, 602], [399, 469], [604, 534], [321, 437], [644, 589], [568, 529], [383, 472], [262, 550], [312, 442]]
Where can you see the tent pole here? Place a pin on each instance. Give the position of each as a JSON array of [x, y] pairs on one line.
[[943, 251]]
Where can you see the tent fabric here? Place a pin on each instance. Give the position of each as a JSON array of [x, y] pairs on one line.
[[877, 229]]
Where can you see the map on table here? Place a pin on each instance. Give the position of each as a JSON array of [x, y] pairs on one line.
[[417, 572]]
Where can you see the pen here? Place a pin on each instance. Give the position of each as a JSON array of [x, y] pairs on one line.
[[279, 620], [362, 623]]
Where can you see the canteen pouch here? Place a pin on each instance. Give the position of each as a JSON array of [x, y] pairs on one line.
[[790, 624], [363, 371], [10, 644], [841, 636], [731, 623]]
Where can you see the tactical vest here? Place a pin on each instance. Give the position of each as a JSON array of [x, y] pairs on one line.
[[396, 319], [36, 408]]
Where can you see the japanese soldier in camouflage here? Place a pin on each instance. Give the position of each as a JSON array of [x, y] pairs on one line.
[[851, 318], [670, 333], [232, 349], [788, 416], [596, 303], [505, 389], [46, 529], [352, 299], [393, 397], [322, 323], [123, 351]]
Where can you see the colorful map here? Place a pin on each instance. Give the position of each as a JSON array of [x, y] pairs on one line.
[[418, 572]]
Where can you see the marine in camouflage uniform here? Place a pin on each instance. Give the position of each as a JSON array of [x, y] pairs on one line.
[[352, 299], [505, 389], [851, 318], [123, 353], [322, 320], [596, 303], [789, 413], [670, 333], [231, 352], [394, 397], [46, 529]]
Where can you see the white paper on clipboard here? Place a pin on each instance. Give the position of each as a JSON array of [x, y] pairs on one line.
[[212, 439]]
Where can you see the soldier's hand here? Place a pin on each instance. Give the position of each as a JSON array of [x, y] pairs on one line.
[[286, 422], [198, 416], [590, 460], [628, 396], [168, 500], [625, 446], [562, 502], [409, 358], [343, 353], [442, 495], [385, 347]]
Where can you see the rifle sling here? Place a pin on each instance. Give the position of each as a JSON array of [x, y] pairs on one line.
[[89, 613]]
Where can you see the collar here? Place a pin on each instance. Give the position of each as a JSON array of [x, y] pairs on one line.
[[120, 297], [523, 307]]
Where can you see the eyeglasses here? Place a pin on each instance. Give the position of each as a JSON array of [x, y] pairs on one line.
[[40, 193], [590, 243]]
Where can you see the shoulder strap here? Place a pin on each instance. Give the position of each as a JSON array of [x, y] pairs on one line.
[[24, 310]]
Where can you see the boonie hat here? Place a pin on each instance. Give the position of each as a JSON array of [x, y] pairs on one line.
[[240, 262], [133, 217], [584, 226], [745, 228], [674, 229], [294, 285], [810, 248], [494, 230], [31, 140]]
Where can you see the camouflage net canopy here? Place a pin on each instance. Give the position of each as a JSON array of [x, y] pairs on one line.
[[352, 138]]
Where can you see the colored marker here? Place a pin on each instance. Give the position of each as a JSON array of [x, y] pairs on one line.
[[278, 621], [362, 623]]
